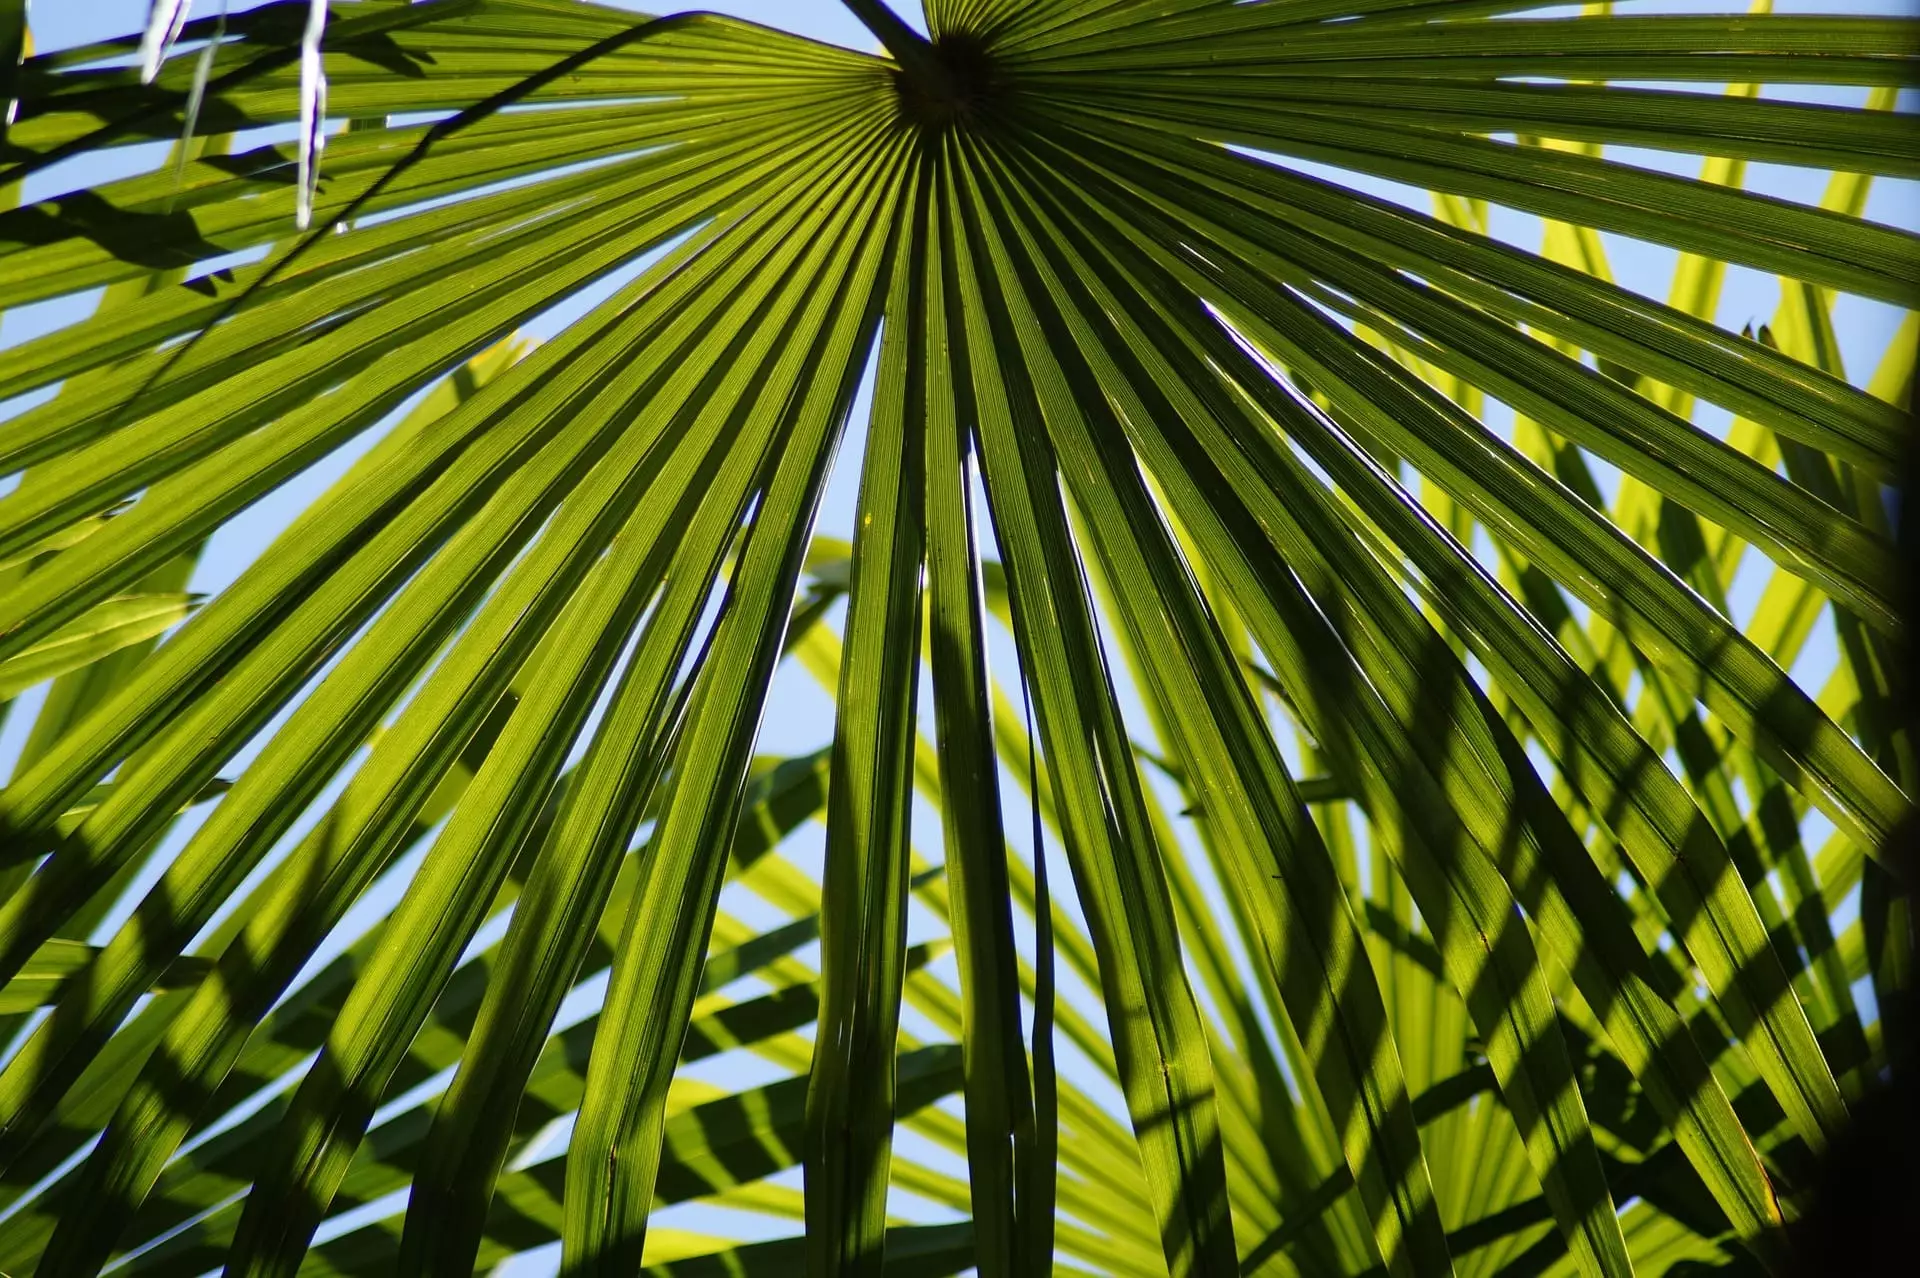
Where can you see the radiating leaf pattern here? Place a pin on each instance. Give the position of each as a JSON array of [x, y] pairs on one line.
[[1457, 686]]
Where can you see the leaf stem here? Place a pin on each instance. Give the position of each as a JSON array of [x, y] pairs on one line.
[[909, 48]]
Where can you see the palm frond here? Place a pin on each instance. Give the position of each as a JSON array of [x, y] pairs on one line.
[[1459, 689]]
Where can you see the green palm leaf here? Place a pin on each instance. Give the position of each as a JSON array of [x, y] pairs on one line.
[[1431, 661]]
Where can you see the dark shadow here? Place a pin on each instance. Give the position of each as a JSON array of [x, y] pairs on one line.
[[157, 241], [1865, 1212]]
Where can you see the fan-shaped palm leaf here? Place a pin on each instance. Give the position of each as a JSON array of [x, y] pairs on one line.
[[1486, 934]]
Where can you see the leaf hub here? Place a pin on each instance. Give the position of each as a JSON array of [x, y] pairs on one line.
[[958, 83]]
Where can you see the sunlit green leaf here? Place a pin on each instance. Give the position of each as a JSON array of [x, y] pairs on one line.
[[1323, 730]]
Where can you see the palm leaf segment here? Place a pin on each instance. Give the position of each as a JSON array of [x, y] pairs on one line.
[[1494, 914]]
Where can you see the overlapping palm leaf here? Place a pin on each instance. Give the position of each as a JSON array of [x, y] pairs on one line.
[[1442, 893]]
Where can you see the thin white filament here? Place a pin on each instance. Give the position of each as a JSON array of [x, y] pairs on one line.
[[202, 68], [165, 18], [313, 111]]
